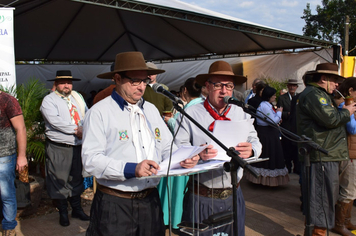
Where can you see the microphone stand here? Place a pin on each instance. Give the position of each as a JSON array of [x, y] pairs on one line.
[[304, 151], [231, 166]]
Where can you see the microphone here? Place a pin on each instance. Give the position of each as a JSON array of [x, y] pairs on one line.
[[158, 88], [232, 100]]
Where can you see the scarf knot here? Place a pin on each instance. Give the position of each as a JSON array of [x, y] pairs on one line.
[[215, 115]]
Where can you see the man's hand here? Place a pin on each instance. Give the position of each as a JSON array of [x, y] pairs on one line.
[[351, 108], [208, 153], [79, 132], [21, 163], [245, 150], [146, 168], [190, 162]]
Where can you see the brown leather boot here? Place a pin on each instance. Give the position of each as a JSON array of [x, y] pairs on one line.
[[340, 214], [348, 223], [318, 231]]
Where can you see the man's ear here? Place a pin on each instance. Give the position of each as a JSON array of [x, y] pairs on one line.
[[116, 78]]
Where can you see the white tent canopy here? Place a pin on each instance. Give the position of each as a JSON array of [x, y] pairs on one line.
[[96, 30]]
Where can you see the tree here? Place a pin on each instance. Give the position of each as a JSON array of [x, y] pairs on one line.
[[329, 21]]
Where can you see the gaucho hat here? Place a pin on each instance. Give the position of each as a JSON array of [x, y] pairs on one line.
[[64, 74], [220, 68], [327, 69], [130, 61]]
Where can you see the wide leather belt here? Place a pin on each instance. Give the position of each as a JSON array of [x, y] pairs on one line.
[[129, 195], [216, 193]]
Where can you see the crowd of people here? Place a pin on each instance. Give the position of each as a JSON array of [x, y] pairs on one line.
[[121, 134]]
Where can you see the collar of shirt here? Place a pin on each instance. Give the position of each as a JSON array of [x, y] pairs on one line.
[[227, 107], [121, 102]]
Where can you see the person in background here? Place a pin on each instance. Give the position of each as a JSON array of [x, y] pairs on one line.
[[12, 157], [289, 149], [176, 185], [257, 99], [213, 192], [204, 92], [162, 103], [273, 172], [347, 183], [124, 139], [248, 94], [63, 111], [319, 119], [105, 92]]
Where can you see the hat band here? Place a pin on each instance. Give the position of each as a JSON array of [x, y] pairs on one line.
[[223, 72], [328, 72], [64, 77]]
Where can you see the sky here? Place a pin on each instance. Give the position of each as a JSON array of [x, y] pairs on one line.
[[280, 14]]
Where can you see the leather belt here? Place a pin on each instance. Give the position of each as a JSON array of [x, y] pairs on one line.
[[128, 195], [59, 144], [216, 193]]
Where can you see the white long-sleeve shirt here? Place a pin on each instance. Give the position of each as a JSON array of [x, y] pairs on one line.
[[190, 134], [59, 127], [266, 108], [108, 152]]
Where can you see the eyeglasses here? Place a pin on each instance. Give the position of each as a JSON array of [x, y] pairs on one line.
[[136, 82], [217, 86]]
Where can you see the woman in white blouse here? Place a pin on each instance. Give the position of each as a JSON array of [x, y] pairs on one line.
[[272, 172]]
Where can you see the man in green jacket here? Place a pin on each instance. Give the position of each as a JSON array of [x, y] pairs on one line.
[[319, 119]]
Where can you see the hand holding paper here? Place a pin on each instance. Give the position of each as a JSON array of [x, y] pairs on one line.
[[208, 153], [245, 150]]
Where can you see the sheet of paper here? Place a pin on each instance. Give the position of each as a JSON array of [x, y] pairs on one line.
[[196, 169], [179, 155], [230, 133]]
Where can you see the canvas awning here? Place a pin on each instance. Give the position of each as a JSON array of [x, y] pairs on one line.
[[96, 30]]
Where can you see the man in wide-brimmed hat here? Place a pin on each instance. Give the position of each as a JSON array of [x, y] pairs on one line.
[[124, 138], [290, 151], [63, 111], [213, 192], [319, 118]]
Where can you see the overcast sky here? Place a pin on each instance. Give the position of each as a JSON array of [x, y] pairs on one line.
[[280, 14]]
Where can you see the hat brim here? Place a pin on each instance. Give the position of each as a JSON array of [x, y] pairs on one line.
[[339, 79], [202, 78], [109, 75], [74, 79]]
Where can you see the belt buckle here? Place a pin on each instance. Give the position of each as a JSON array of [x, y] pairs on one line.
[[139, 195], [225, 194]]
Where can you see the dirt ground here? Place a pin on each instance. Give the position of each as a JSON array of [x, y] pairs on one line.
[[46, 206]]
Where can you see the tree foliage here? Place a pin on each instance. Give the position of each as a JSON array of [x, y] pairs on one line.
[[329, 21]]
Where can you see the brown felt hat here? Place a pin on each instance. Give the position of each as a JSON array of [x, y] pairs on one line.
[[130, 61], [64, 74], [220, 68], [327, 69]]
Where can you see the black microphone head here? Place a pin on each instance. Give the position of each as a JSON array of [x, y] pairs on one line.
[[226, 99], [157, 87]]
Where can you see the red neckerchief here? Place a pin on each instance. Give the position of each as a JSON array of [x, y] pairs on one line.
[[215, 115], [273, 108]]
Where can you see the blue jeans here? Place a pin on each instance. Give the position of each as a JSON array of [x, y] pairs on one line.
[[8, 191]]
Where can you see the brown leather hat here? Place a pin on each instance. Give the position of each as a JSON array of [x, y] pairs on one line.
[[327, 69], [130, 61], [220, 68], [64, 74]]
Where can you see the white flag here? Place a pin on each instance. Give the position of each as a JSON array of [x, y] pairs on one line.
[[7, 52]]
